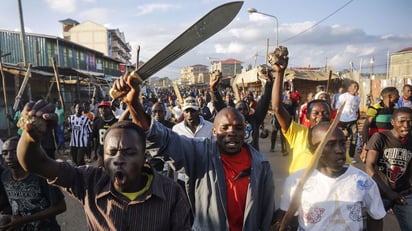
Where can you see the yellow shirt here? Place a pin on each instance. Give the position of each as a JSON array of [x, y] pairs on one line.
[[297, 138], [134, 195]]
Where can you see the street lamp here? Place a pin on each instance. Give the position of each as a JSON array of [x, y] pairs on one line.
[[212, 63], [253, 10], [372, 76]]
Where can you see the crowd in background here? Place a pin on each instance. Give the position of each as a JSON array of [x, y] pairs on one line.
[[384, 144]]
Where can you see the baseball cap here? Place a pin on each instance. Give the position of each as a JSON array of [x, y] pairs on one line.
[[190, 102], [317, 96], [104, 104]]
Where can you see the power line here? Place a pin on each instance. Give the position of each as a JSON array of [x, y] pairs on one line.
[[316, 24]]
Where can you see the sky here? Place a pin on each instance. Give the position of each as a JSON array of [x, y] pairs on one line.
[[317, 33]]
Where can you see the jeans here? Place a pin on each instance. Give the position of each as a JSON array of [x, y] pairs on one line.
[[60, 135], [403, 213], [351, 131]]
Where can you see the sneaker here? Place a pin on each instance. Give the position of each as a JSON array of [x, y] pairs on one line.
[[353, 160]]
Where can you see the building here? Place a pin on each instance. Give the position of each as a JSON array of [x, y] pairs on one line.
[[195, 74], [111, 42], [227, 67], [83, 73], [400, 67], [164, 82]]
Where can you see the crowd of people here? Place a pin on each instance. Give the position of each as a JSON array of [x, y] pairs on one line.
[[158, 161]]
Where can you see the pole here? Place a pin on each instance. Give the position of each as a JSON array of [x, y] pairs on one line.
[[22, 34], [137, 57], [267, 50], [328, 83], [56, 75], [23, 44], [3, 79], [372, 61], [387, 65], [253, 10], [22, 87]]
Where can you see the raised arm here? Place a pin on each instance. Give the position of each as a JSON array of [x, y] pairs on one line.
[[263, 104], [280, 112], [36, 119], [216, 97], [128, 87]]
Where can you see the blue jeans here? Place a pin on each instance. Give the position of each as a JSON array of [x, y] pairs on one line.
[[60, 135], [403, 213]]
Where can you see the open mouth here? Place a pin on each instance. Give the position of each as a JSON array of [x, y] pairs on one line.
[[404, 133], [341, 161], [119, 178], [12, 165], [232, 144]]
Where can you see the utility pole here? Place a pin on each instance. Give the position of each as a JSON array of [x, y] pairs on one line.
[[371, 76], [23, 44]]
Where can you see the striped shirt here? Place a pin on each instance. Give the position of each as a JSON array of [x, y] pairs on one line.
[[163, 207], [80, 130], [381, 118]]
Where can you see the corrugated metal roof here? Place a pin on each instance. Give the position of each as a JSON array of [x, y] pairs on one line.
[[308, 75], [406, 49], [251, 76]]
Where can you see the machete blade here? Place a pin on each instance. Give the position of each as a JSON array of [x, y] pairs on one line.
[[204, 28]]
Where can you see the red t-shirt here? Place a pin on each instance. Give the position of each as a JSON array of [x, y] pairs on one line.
[[237, 174]]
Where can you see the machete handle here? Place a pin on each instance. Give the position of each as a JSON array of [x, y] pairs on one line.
[[115, 94]]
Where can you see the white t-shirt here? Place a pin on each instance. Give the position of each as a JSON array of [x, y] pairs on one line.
[[204, 129], [351, 109], [334, 203]]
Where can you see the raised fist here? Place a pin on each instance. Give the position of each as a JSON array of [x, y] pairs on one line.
[[279, 56]]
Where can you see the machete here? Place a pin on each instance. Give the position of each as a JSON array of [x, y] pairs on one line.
[[204, 28]]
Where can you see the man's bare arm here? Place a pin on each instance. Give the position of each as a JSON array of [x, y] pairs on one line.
[[280, 112], [385, 189]]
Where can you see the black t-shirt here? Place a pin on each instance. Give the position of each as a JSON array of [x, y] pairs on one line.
[[31, 195], [394, 159], [100, 127]]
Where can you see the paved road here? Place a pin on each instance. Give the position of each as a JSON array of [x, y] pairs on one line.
[[73, 219]]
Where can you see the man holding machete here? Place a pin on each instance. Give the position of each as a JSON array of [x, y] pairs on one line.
[[230, 185]]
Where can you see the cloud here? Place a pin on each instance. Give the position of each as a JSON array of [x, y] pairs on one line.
[[231, 48], [97, 15], [65, 6], [149, 8]]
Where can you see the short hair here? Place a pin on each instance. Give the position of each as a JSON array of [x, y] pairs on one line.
[[405, 86], [127, 124], [160, 105], [401, 110], [232, 109], [387, 90], [12, 139], [313, 102], [243, 102], [352, 82]]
